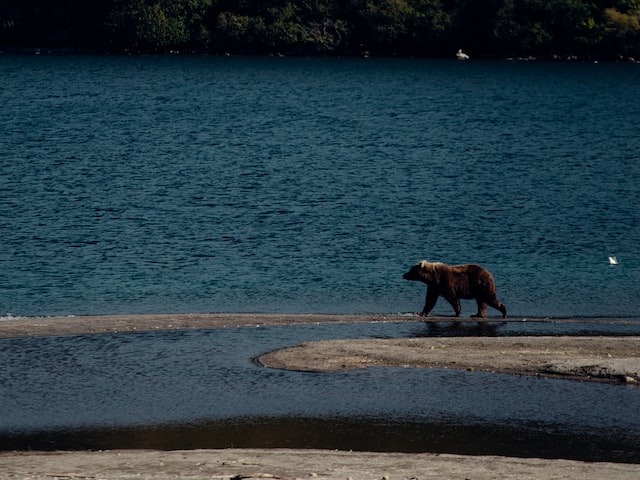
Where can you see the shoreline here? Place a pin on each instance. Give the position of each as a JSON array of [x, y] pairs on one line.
[[96, 324], [21, 327], [289, 464]]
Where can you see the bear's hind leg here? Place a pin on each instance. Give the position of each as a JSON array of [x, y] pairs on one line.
[[501, 307], [482, 309]]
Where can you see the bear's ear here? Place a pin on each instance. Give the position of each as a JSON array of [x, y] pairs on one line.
[[424, 265]]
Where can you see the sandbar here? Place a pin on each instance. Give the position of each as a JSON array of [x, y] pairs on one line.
[[96, 324], [615, 359]]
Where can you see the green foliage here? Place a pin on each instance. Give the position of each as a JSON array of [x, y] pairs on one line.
[[606, 28], [158, 25], [622, 29]]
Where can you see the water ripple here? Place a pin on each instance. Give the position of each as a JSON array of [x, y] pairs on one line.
[[241, 184]]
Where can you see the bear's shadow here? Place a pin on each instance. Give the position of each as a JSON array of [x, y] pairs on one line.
[[454, 328]]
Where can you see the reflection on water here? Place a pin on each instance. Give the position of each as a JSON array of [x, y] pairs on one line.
[[200, 388], [438, 435], [455, 328]]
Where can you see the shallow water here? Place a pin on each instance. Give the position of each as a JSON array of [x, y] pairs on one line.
[[165, 184], [193, 389]]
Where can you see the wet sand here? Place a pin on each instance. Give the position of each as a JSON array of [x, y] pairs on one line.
[[80, 325], [608, 358], [94, 324], [296, 464]]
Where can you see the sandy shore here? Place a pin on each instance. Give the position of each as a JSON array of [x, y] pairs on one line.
[[296, 464], [609, 358]]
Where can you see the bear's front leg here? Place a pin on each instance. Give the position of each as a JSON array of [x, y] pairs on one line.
[[455, 303], [430, 302]]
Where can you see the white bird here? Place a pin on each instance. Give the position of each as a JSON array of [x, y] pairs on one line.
[[461, 55], [613, 261]]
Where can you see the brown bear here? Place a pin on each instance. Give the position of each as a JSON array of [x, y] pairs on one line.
[[454, 283]]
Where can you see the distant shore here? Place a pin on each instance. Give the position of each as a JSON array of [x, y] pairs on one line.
[[567, 58]]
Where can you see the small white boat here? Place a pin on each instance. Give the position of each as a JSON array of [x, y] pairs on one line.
[[613, 261]]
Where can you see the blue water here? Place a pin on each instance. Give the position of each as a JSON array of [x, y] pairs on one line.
[[171, 184]]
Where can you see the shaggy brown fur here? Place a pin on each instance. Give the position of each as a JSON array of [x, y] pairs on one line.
[[454, 283]]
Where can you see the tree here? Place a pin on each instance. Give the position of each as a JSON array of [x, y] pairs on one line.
[[622, 31], [429, 25], [545, 26], [411, 27], [278, 26], [159, 25], [53, 24]]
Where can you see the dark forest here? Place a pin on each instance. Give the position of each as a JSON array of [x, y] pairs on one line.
[[598, 29]]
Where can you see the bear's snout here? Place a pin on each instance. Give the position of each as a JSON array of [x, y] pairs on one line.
[[412, 274]]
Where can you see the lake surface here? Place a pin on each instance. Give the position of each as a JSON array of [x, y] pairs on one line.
[[213, 184]]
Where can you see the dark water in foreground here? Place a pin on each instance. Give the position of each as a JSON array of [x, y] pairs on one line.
[[151, 185], [196, 389]]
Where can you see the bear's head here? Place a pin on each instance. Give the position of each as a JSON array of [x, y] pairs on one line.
[[423, 271]]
